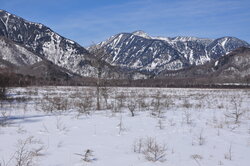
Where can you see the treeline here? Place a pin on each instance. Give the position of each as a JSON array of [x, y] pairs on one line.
[[181, 83], [11, 79], [19, 80]]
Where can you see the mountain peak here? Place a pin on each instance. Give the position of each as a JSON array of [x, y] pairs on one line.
[[2, 11], [141, 34]]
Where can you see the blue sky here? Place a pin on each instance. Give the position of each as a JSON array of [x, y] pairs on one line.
[[92, 21]]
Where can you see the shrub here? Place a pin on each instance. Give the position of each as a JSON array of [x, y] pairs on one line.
[[152, 150]]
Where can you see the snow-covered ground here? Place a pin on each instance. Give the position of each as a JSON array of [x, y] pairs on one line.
[[56, 126]]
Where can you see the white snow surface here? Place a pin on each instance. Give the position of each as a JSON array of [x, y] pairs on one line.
[[141, 34], [63, 134], [224, 42]]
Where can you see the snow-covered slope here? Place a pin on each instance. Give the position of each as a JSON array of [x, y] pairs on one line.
[[236, 64], [17, 59], [60, 51], [139, 51], [47, 43], [16, 54], [232, 67], [224, 45], [141, 34]]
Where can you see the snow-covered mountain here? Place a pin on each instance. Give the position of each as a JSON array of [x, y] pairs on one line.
[[15, 58], [131, 55], [62, 52], [46, 43], [141, 52], [233, 67]]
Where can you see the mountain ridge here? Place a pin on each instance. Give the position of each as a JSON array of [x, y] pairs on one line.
[[137, 55], [233, 67], [46, 43], [139, 51]]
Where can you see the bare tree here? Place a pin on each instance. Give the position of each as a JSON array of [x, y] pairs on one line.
[[237, 113], [25, 155], [4, 119], [228, 155], [157, 110], [154, 151], [120, 98], [105, 93], [60, 125], [201, 138], [132, 107], [196, 158], [114, 107], [141, 102], [138, 145], [121, 126], [3, 87], [2, 93], [187, 116], [161, 124], [100, 54], [56, 103], [186, 104], [85, 106]]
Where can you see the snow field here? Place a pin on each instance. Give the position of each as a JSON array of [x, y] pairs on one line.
[[197, 126]]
